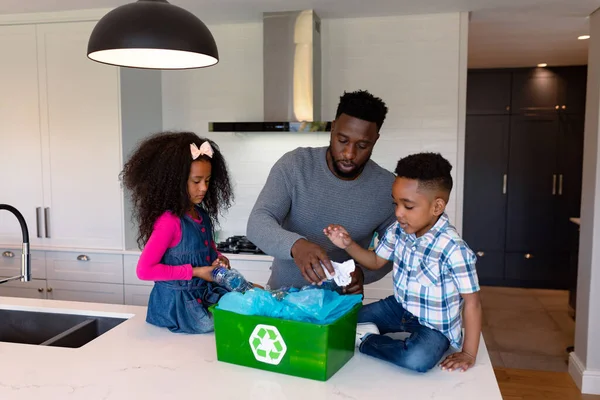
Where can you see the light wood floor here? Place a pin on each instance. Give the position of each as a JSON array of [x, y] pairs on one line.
[[527, 328], [516, 384]]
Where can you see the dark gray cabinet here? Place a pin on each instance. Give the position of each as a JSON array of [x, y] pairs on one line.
[[523, 168], [532, 183], [486, 169], [488, 92]]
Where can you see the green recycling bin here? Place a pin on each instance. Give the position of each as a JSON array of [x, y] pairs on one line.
[[288, 347]]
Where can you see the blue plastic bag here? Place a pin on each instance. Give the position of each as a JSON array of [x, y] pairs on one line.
[[310, 304]]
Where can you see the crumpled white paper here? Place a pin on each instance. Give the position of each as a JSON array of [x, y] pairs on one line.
[[342, 272]]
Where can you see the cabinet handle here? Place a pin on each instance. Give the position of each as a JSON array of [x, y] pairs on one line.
[[504, 183], [47, 221], [83, 257], [507, 108], [38, 221], [480, 253], [560, 184], [557, 107], [528, 256], [564, 107], [8, 254], [40, 290], [49, 290], [553, 184]]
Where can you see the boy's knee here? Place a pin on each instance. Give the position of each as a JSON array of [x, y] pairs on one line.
[[420, 361]]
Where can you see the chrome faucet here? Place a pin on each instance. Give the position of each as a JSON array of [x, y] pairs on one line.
[[25, 256]]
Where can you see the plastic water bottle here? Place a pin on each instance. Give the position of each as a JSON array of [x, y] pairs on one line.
[[231, 279]]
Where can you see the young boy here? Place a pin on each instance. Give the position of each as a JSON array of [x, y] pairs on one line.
[[434, 275]]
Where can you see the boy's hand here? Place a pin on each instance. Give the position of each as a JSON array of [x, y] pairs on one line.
[[460, 360], [338, 235]]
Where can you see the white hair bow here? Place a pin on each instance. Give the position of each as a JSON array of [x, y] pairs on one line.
[[205, 149]]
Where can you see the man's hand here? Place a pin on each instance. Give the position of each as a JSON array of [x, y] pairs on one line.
[[356, 286], [461, 360], [308, 257]]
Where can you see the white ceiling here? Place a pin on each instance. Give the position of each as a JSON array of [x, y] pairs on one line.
[[502, 33]]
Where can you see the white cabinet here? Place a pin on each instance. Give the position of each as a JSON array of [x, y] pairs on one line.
[[88, 267], [85, 291], [137, 295], [90, 277], [81, 140], [129, 271], [66, 125], [20, 140], [10, 263], [137, 292], [34, 289]]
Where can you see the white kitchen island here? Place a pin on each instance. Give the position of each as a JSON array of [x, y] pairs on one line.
[[138, 361]]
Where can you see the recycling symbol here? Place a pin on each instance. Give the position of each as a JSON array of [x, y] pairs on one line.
[[267, 344]]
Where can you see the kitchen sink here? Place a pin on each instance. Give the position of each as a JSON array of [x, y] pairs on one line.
[[53, 329]]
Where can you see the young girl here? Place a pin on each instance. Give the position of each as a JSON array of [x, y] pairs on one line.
[[179, 183]]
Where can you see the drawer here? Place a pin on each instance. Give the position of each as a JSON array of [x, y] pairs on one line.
[[129, 274], [10, 263], [34, 289], [136, 295], [84, 267], [85, 291]]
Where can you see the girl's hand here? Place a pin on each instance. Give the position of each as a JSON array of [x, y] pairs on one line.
[[461, 360], [338, 236], [222, 261], [204, 273]]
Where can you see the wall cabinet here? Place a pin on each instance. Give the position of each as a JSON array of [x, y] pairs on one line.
[[523, 173], [65, 122]]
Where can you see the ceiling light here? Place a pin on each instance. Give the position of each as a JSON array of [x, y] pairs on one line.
[[152, 34], [583, 37], [542, 65]]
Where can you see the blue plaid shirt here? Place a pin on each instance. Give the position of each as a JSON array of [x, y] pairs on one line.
[[430, 273]]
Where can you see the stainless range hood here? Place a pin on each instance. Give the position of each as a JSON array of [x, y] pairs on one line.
[[291, 76]]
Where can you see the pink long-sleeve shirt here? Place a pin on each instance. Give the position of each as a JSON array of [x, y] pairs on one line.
[[166, 235]]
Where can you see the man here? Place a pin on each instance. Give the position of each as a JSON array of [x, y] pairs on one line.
[[310, 188]]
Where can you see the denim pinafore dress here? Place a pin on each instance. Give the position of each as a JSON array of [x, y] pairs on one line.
[[182, 306]]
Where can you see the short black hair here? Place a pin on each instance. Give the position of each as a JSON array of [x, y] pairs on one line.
[[362, 105], [430, 169]]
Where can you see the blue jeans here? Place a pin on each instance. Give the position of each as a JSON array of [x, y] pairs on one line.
[[421, 351]]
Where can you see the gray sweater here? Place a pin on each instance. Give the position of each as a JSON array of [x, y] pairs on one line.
[[302, 196]]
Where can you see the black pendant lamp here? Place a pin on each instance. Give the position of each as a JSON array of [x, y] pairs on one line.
[[152, 34]]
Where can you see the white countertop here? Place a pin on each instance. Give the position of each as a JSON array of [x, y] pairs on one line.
[[138, 361]]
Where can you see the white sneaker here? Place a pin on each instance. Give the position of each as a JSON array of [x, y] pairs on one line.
[[365, 329]]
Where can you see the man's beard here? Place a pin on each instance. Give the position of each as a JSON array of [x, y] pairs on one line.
[[346, 175]]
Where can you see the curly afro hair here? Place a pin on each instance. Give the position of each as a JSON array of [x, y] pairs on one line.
[[362, 105], [157, 174], [430, 169]]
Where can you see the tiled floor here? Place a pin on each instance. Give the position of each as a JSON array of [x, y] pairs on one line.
[[527, 328]]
